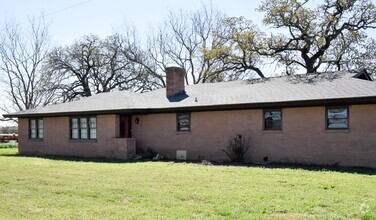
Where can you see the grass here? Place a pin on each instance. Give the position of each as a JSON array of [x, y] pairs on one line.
[[8, 145], [60, 188]]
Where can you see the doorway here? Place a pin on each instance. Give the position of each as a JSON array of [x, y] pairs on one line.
[[125, 126]]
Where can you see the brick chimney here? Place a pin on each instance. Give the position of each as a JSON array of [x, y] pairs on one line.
[[175, 81]]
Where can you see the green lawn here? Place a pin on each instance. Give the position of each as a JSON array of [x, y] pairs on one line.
[[11, 144], [45, 188]]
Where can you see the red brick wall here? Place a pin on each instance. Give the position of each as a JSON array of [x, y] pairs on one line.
[[56, 139], [174, 80], [303, 138]]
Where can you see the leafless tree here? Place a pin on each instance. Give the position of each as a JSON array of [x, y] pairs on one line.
[[182, 40], [148, 76], [93, 65], [22, 51]]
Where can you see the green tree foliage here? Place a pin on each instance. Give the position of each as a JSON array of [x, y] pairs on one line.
[[364, 57], [313, 35], [238, 47]]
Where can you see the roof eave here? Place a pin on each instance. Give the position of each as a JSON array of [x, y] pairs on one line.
[[240, 106]]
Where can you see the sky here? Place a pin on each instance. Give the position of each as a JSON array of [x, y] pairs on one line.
[[71, 19]]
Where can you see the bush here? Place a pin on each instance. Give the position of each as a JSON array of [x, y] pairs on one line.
[[237, 149], [8, 145], [149, 153], [139, 150]]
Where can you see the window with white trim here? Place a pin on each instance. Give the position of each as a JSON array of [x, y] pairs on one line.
[[83, 128]]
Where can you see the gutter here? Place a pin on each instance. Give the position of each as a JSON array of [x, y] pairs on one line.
[[225, 107]]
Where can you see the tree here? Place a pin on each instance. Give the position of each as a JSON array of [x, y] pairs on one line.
[[9, 130], [340, 54], [182, 40], [311, 33], [364, 57], [22, 51], [238, 46], [93, 65], [149, 76]]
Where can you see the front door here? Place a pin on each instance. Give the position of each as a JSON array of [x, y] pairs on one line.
[[125, 126]]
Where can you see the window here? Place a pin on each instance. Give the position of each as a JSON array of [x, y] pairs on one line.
[[83, 128], [74, 128], [273, 119], [36, 129], [337, 118], [93, 128], [183, 121]]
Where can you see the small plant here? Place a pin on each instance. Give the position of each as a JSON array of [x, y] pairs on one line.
[[8, 145], [139, 150], [237, 149], [149, 153]]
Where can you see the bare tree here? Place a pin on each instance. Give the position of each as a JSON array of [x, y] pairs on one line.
[[182, 40], [22, 51], [93, 65], [145, 64]]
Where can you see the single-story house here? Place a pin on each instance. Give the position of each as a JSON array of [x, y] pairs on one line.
[[326, 119]]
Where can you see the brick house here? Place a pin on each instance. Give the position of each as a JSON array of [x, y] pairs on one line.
[[324, 119]]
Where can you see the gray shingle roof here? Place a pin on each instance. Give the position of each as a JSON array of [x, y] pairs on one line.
[[326, 86]]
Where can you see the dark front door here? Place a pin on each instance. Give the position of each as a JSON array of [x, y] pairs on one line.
[[125, 126]]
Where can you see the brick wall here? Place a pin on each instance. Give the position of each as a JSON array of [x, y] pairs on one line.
[[175, 81]]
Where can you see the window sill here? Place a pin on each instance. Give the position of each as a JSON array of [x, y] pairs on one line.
[[337, 130], [271, 131], [83, 140], [183, 132], [36, 139]]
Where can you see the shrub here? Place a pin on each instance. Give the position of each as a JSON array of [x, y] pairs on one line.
[[8, 145], [139, 150], [237, 149], [149, 153]]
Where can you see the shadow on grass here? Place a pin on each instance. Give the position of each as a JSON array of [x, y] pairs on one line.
[[320, 168], [292, 166], [71, 158], [299, 166]]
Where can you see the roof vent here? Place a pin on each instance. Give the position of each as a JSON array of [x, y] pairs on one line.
[[363, 74]]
